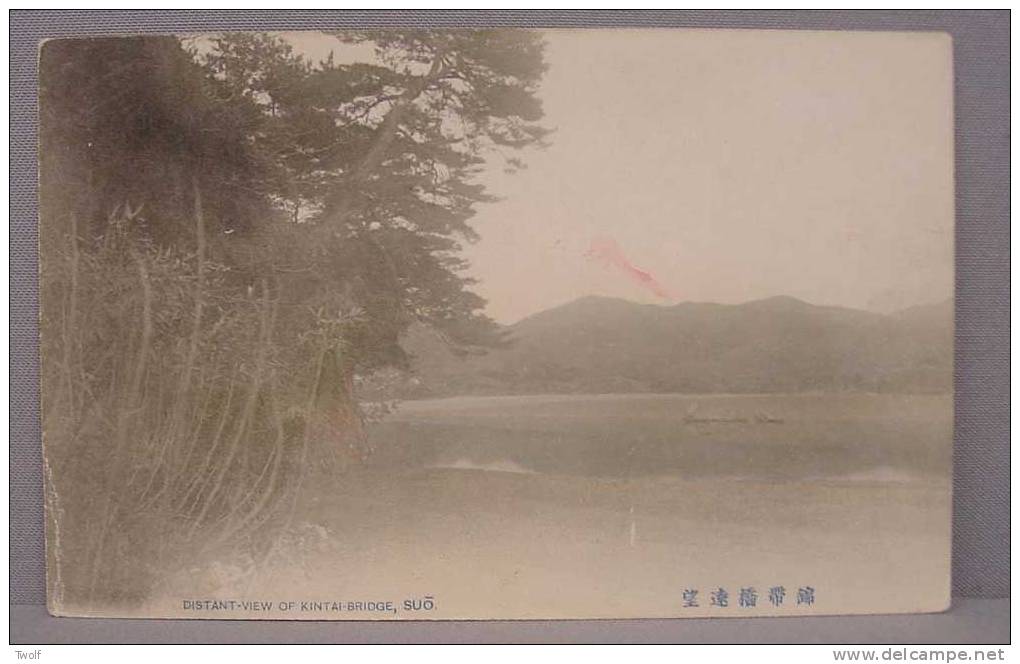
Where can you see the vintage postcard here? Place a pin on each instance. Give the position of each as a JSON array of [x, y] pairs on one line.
[[497, 324]]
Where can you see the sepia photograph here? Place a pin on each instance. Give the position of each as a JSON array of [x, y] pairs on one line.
[[474, 324]]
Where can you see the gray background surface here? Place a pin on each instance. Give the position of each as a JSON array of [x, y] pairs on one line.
[[981, 455]]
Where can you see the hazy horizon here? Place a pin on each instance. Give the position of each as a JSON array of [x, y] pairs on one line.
[[266, 393], [676, 303], [816, 165]]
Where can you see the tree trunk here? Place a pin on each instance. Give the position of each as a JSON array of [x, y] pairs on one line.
[[383, 140], [335, 429]]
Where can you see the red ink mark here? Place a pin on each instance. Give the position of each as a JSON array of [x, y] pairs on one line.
[[609, 253]]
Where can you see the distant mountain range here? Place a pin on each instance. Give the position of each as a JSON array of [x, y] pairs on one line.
[[781, 344]]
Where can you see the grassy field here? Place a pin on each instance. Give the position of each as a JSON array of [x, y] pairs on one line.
[[539, 507]]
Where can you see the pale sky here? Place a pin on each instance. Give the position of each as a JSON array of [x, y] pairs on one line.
[[730, 166]]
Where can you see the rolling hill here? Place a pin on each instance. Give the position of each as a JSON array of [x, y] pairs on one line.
[[781, 344]]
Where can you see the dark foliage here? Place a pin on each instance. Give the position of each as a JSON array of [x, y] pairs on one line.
[[232, 237]]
